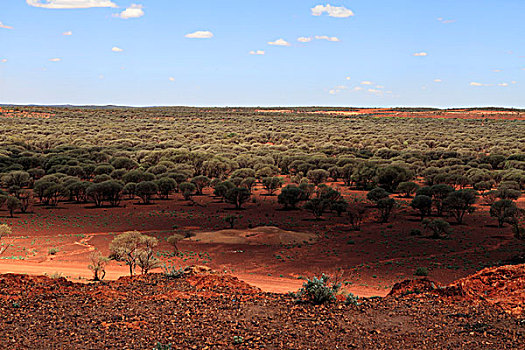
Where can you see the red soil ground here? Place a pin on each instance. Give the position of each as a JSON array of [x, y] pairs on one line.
[[368, 262]]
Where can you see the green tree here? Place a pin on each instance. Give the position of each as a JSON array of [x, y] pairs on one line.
[[290, 196], [237, 196], [423, 204], [146, 190], [503, 210], [460, 202]]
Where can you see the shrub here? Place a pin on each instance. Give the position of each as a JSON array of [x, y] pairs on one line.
[[421, 271], [171, 271], [318, 291], [352, 299]]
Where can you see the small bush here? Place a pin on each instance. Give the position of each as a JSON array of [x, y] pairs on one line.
[[53, 251], [237, 339], [318, 291], [172, 271], [415, 232], [352, 299], [160, 346], [421, 271]]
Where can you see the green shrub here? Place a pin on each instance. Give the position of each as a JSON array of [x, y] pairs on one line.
[[318, 291], [421, 271], [171, 271]]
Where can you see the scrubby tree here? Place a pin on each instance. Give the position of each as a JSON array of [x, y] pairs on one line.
[[237, 196], [290, 196], [134, 249], [460, 202], [146, 190], [98, 265], [12, 204], [272, 184], [439, 227], [187, 189], [503, 210], [385, 207], [221, 188], [377, 194], [407, 188], [439, 193], [200, 183], [317, 176], [5, 230], [423, 204], [317, 206], [232, 219], [166, 186], [173, 241], [391, 176]]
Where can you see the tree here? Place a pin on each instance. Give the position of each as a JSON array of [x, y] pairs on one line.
[[290, 196], [391, 176], [146, 190], [439, 227], [173, 240], [12, 204], [200, 183], [98, 265], [385, 206], [339, 206], [317, 206], [187, 189], [5, 230], [356, 213], [423, 204], [503, 210], [166, 185], [439, 193], [460, 202], [232, 219], [376, 194], [237, 196], [271, 184], [134, 249], [317, 176], [221, 188], [146, 259], [249, 183], [407, 188]]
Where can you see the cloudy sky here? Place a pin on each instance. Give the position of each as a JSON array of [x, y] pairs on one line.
[[263, 53]]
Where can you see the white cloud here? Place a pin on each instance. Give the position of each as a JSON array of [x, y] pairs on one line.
[[337, 89], [200, 34], [437, 80], [5, 26], [279, 42], [374, 91], [257, 52], [348, 78], [4, 60], [380, 87], [329, 38], [134, 11], [366, 82], [420, 54], [55, 59], [304, 39], [503, 84], [514, 82], [358, 88], [71, 4], [116, 49], [101, 76], [171, 79], [332, 11], [67, 33], [446, 21], [474, 83], [496, 70]]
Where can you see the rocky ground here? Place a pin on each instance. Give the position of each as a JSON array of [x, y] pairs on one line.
[[212, 311]]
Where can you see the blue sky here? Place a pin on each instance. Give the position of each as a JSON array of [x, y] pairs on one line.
[[441, 53]]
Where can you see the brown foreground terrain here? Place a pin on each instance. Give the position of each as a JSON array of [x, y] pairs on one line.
[[206, 310]]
